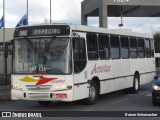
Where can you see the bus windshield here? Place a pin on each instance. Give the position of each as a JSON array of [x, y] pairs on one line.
[[42, 56]]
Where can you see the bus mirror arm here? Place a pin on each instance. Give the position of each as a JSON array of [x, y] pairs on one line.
[[50, 43]]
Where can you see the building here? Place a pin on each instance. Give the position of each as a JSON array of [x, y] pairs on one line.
[[8, 37], [118, 8]]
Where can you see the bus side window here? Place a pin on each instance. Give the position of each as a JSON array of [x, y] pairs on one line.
[[124, 47], [103, 41], [141, 49], [152, 47], [79, 54], [147, 48], [133, 48], [115, 47], [92, 46]]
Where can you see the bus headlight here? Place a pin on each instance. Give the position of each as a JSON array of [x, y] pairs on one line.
[[60, 88], [63, 87], [16, 87], [57, 88]]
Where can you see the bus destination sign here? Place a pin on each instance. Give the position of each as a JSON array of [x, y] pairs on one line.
[[47, 30], [51, 31]]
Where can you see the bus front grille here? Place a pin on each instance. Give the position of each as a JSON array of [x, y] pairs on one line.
[[38, 95], [35, 88]]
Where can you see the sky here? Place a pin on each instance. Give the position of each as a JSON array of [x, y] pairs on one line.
[[68, 11]]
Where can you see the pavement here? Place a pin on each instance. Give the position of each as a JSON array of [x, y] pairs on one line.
[[5, 93]]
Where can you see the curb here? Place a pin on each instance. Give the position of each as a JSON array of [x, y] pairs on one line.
[[5, 93], [5, 99]]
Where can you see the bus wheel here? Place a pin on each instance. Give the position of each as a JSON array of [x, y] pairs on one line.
[[93, 94], [136, 84], [44, 102]]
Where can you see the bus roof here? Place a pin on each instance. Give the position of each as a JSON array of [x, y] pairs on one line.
[[124, 32], [83, 28]]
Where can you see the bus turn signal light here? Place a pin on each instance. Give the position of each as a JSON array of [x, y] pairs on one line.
[[69, 87]]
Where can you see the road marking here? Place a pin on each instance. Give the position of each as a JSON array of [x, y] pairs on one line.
[[143, 93], [140, 92], [148, 95], [120, 101], [130, 95]]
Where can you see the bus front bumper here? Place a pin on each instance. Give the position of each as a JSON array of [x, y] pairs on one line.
[[41, 95]]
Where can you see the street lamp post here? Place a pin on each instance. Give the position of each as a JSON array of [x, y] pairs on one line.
[[50, 11], [27, 13]]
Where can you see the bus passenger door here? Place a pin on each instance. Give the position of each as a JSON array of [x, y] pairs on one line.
[[81, 89]]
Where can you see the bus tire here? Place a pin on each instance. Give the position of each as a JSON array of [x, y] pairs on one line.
[[44, 102], [93, 94], [136, 84]]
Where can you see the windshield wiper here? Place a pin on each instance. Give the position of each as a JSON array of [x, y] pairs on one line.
[[51, 41], [28, 42]]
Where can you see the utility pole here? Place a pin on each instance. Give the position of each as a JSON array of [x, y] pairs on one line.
[[4, 48]]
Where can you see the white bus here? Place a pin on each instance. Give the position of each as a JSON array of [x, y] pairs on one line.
[[74, 62]]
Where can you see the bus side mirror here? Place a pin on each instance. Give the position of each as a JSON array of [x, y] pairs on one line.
[[156, 77], [6, 51]]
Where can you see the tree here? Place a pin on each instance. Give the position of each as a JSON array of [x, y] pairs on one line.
[[157, 42], [157, 46]]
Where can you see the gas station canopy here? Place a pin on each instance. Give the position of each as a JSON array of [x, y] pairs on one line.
[[117, 8]]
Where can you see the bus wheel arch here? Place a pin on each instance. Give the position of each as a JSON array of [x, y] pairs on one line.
[[97, 81], [94, 90]]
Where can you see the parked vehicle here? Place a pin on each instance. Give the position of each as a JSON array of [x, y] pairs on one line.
[[156, 91]]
